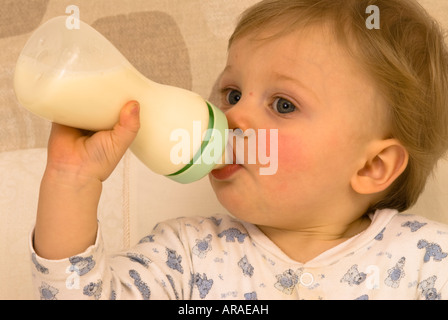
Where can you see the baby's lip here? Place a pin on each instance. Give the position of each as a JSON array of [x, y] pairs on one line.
[[228, 159], [229, 156], [224, 173]]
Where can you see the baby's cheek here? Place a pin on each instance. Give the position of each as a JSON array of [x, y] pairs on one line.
[[291, 157]]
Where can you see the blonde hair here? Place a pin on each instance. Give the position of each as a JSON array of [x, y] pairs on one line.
[[406, 57]]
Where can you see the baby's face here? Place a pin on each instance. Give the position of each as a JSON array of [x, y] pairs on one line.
[[325, 109]]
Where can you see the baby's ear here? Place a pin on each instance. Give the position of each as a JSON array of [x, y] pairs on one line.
[[384, 162]]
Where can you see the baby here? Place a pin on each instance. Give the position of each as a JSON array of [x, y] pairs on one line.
[[362, 119]]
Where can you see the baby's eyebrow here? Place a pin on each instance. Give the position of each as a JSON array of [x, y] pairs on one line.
[[295, 81], [227, 68]]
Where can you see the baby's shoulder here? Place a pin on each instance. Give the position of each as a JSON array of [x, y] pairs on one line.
[[415, 224], [414, 230]]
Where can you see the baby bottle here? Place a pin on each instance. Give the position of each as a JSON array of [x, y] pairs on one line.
[[76, 77]]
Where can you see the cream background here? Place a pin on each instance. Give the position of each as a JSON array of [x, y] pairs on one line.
[[177, 42]]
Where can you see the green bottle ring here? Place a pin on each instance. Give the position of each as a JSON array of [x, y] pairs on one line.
[[216, 133]]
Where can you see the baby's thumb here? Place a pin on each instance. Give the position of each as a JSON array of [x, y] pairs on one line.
[[130, 117], [127, 127]]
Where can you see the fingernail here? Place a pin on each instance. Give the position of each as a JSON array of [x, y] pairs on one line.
[[135, 108]]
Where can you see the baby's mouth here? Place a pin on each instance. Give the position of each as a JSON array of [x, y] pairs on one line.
[[230, 164], [226, 172]]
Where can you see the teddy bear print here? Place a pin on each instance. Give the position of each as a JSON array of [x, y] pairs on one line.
[[141, 286], [286, 281], [216, 221], [428, 290], [139, 258], [174, 260], [380, 235], [413, 225], [203, 284], [248, 269], [250, 296], [81, 265], [93, 289], [148, 239], [47, 292], [202, 247], [432, 250], [395, 274], [353, 276], [233, 233]]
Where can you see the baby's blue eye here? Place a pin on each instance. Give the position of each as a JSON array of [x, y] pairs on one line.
[[283, 106], [233, 97]]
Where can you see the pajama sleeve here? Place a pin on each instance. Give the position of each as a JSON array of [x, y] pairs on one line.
[[156, 268]]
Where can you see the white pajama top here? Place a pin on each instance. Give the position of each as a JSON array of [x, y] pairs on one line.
[[397, 257]]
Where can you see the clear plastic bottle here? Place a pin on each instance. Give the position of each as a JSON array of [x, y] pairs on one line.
[[76, 77]]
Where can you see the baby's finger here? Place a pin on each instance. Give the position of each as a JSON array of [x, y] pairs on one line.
[[126, 129]]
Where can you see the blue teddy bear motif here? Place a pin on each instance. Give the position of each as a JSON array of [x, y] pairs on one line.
[[139, 258], [427, 289], [93, 289], [204, 285], [216, 221], [248, 269], [250, 296], [287, 281], [380, 235], [141, 286], [202, 246], [81, 265], [47, 292], [353, 276], [396, 274], [413, 225], [149, 238], [432, 250], [233, 233], [174, 260]]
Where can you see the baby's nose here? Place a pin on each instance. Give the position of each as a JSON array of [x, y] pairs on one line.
[[242, 116]]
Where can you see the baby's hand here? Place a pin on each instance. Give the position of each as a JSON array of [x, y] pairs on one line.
[[92, 155], [70, 191]]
